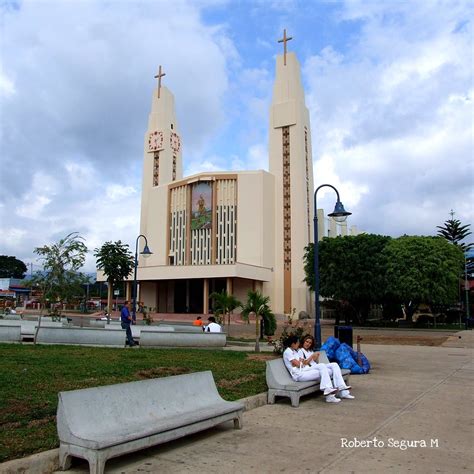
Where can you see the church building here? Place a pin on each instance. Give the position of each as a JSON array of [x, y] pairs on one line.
[[229, 230]]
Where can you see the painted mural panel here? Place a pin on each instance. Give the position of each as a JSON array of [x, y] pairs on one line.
[[201, 206]]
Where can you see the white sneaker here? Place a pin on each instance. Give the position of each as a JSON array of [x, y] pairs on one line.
[[347, 396], [330, 391], [332, 399]]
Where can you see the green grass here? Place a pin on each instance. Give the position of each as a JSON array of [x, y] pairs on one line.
[[31, 377]]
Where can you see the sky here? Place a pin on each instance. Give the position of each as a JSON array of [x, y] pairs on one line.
[[389, 87]]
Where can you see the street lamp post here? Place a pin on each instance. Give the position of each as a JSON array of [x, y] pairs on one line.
[[146, 253], [340, 215]]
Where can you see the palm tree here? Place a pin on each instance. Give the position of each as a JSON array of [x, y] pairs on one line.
[[224, 304], [116, 261], [260, 306]]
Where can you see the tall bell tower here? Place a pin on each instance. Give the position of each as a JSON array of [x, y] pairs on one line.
[[291, 163], [162, 165]]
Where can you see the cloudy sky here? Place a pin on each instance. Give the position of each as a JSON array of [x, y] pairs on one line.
[[389, 87]]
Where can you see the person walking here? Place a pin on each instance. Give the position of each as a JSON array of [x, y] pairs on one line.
[[126, 320]]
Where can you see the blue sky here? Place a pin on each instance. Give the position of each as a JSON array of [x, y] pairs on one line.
[[388, 85]]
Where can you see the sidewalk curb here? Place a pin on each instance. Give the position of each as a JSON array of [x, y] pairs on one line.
[[47, 462], [39, 463]]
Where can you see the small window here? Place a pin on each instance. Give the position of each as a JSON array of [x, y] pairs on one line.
[[172, 126]]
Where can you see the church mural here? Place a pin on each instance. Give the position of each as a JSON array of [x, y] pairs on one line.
[[201, 206]]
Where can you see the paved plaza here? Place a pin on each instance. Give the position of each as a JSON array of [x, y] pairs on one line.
[[413, 395]]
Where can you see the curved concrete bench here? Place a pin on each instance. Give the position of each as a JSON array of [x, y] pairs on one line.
[[76, 335], [182, 327], [104, 422], [93, 323], [12, 317], [281, 384], [158, 338], [10, 332]]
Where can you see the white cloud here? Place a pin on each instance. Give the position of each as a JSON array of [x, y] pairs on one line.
[[392, 125]]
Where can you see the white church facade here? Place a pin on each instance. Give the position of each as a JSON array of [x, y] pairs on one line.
[[236, 230]]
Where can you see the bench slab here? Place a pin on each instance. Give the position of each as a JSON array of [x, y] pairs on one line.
[[104, 422]]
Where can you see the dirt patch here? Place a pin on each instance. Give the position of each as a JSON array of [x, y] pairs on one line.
[[41, 421], [403, 340], [162, 372], [262, 356], [10, 426], [233, 383]]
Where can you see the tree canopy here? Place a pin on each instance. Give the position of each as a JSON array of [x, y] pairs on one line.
[[259, 305], [60, 278], [351, 268], [224, 304], [11, 267], [453, 231], [116, 261], [422, 270], [367, 269]]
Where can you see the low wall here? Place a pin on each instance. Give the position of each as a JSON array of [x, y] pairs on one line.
[[153, 338], [10, 333], [75, 335]]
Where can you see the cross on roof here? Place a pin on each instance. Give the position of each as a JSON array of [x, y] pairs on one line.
[[159, 76], [284, 40]]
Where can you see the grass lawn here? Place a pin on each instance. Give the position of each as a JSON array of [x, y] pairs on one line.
[[31, 377]]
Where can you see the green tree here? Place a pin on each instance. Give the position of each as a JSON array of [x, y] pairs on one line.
[[116, 261], [453, 231], [351, 269], [259, 305], [11, 267], [224, 304], [422, 270], [60, 279]]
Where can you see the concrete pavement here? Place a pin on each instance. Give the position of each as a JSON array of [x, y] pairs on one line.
[[414, 395]]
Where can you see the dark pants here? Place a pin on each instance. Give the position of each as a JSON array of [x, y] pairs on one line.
[[128, 330]]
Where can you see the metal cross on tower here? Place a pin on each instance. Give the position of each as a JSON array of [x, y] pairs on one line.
[[159, 76], [284, 40]]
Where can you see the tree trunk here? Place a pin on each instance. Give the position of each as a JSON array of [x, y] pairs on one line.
[[257, 334], [110, 289]]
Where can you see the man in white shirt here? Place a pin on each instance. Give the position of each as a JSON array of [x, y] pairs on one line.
[[213, 326], [304, 373]]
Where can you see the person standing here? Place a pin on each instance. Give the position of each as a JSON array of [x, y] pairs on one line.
[[126, 320]]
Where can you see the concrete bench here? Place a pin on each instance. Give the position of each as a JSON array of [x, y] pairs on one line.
[[93, 323], [76, 335], [159, 338], [100, 423], [10, 332], [281, 384], [12, 317]]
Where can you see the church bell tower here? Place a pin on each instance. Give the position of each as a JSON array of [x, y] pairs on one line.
[[290, 161]]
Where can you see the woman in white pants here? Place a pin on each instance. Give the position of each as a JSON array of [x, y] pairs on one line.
[[311, 359], [304, 372]]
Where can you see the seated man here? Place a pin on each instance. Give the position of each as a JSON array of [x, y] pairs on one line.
[[304, 372], [213, 326]]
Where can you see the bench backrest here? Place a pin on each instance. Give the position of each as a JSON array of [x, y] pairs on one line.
[[277, 374], [157, 338], [138, 402]]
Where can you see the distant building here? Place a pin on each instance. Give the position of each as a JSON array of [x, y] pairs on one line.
[[15, 290], [328, 227]]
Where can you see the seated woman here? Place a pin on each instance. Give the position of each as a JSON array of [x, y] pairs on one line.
[[301, 370], [311, 359]]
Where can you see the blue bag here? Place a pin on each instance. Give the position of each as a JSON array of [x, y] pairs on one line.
[[330, 346]]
